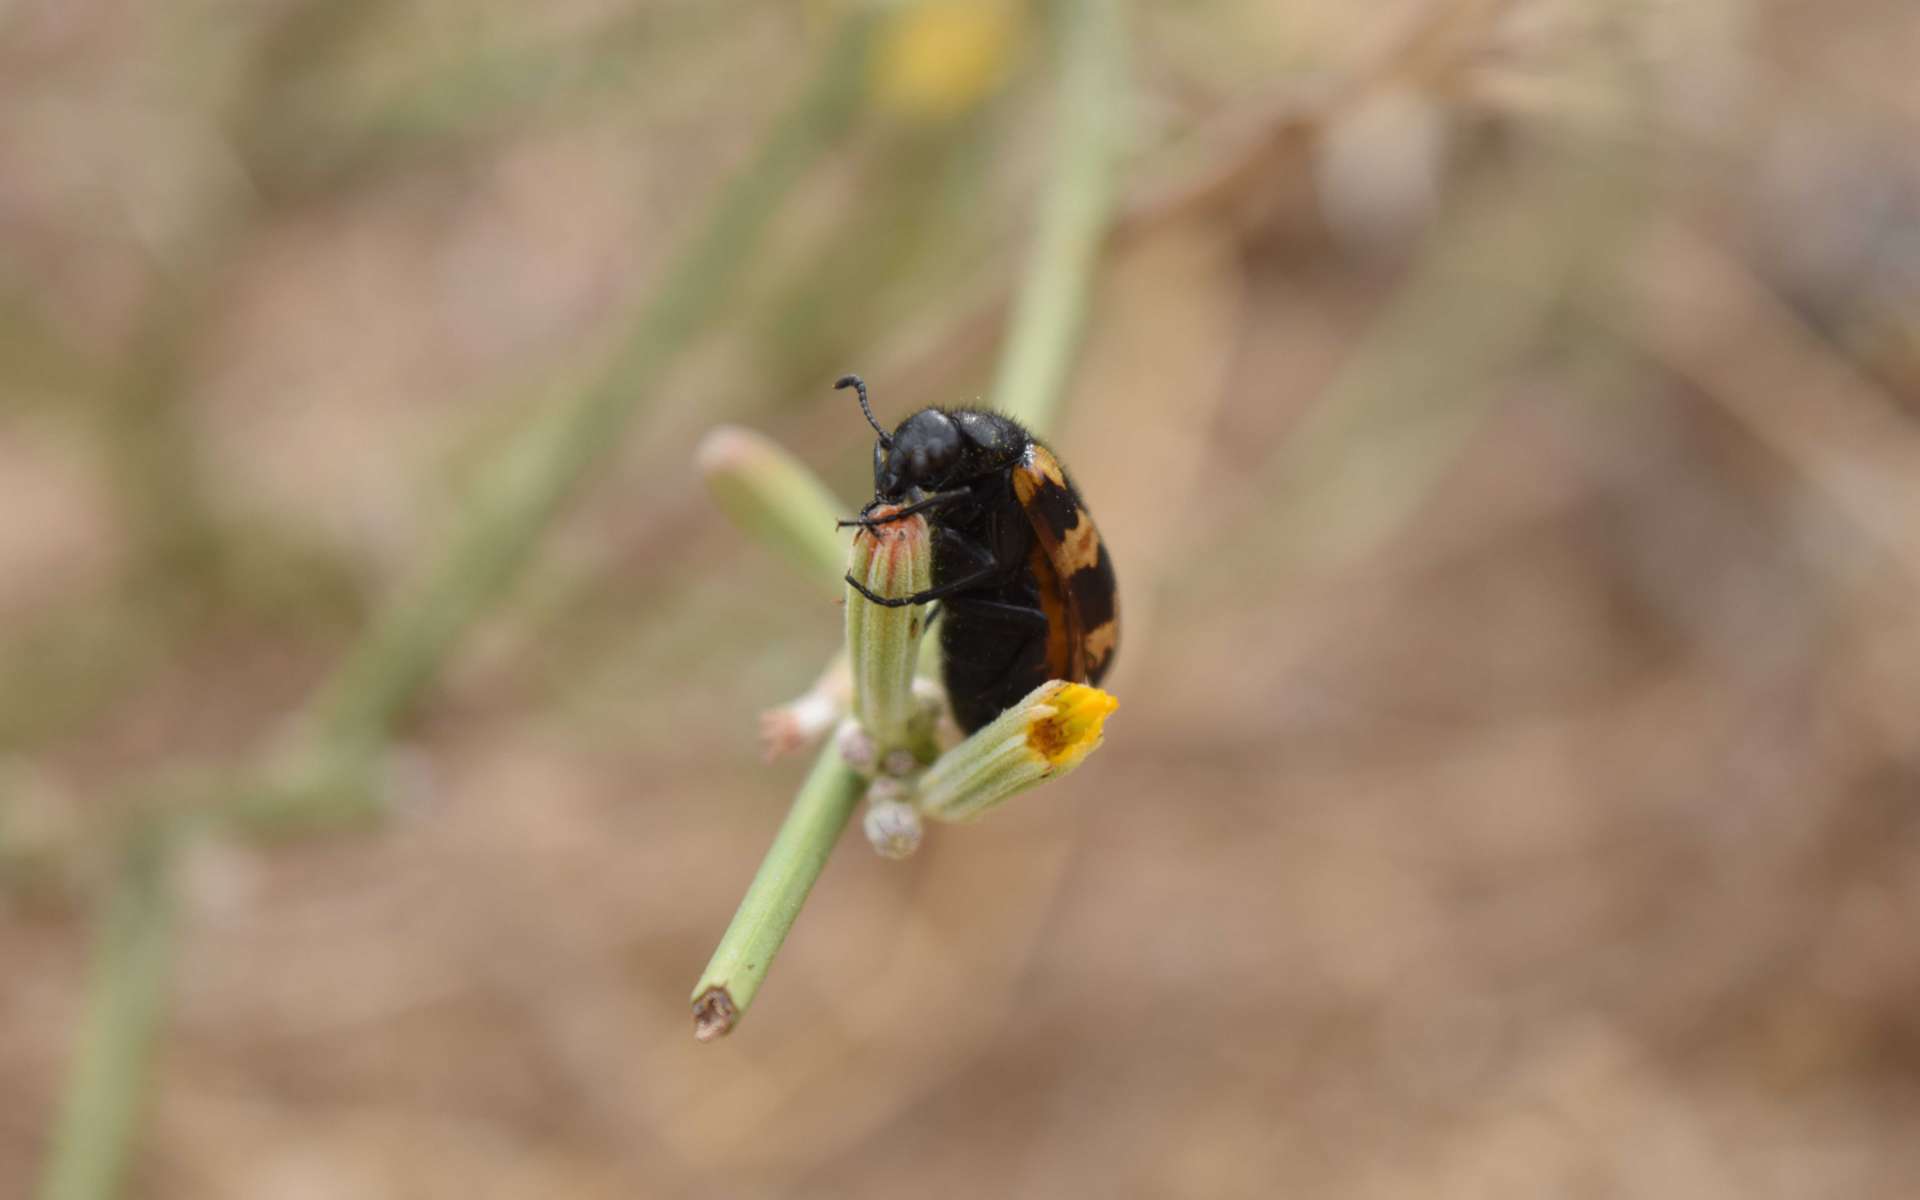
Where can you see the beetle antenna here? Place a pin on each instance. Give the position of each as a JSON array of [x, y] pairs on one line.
[[859, 386]]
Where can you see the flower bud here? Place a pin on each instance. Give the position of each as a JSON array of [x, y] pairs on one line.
[[773, 498], [1047, 734], [856, 747], [893, 561], [804, 720], [892, 827]]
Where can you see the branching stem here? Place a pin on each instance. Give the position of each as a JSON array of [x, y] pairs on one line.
[[1041, 345]]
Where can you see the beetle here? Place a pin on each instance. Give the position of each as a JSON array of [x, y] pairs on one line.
[[1026, 586]]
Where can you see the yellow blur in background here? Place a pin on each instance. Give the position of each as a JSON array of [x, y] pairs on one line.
[[944, 57], [1504, 416]]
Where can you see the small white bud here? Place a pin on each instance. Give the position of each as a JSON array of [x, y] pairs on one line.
[[892, 828], [856, 747], [805, 719]]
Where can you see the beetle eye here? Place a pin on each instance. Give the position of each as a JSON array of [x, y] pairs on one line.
[[938, 451], [924, 451]]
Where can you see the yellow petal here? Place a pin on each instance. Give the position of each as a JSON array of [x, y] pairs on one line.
[[1072, 731]]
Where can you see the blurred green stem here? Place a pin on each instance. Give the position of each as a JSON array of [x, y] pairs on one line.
[[1420, 383], [412, 640], [126, 995], [1051, 307], [1047, 321]]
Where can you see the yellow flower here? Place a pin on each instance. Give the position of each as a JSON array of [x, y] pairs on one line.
[[1049, 733], [1072, 730], [939, 58]]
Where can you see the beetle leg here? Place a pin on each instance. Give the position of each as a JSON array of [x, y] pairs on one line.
[[920, 505], [982, 557], [932, 593], [988, 566], [1012, 614]]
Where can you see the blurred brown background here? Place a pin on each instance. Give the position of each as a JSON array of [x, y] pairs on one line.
[[1506, 421]]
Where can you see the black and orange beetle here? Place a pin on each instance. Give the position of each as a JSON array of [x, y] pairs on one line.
[[1026, 588]]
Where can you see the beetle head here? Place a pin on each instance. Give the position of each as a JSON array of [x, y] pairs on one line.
[[923, 453]]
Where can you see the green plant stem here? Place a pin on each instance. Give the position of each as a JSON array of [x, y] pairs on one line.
[[381, 677], [1051, 307], [799, 853], [126, 996], [1047, 321]]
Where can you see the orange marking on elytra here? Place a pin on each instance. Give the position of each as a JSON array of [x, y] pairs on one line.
[[1100, 642], [1061, 642], [1081, 547]]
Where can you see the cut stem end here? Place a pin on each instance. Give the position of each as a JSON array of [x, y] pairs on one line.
[[713, 1015]]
